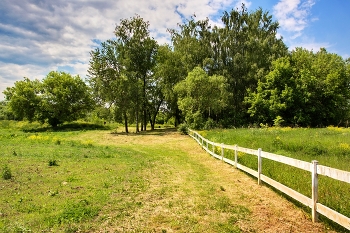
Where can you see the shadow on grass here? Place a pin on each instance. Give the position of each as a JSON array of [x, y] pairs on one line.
[[75, 126], [155, 132]]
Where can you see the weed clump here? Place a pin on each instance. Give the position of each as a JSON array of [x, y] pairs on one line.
[[53, 162], [6, 173]]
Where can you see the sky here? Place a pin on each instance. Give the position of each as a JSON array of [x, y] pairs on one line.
[[39, 36]]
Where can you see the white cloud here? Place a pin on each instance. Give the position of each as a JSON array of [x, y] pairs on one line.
[[293, 15], [37, 36]]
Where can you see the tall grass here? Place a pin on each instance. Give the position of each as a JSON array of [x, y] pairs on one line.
[[330, 146]]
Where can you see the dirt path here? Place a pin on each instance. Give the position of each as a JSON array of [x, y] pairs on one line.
[[269, 212]]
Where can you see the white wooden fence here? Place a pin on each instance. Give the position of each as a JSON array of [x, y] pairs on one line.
[[313, 167]]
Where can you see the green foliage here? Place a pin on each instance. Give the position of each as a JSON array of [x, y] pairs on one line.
[[5, 113], [183, 128], [241, 51], [278, 121], [201, 95], [305, 88], [168, 71], [249, 47], [6, 172], [64, 98], [24, 99], [209, 124], [120, 73], [60, 97]]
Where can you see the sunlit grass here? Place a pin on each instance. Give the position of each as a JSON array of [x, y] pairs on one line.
[[78, 180], [330, 146]]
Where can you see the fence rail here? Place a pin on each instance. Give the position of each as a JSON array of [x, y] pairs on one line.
[[312, 167]]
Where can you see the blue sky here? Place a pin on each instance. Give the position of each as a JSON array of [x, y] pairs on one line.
[[38, 36]]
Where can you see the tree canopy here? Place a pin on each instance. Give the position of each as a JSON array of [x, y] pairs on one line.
[[201, 96], [121, 71], [303, 88], [58, 98]]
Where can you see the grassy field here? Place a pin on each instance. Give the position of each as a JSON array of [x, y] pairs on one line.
[[87, 178], [329, 146]]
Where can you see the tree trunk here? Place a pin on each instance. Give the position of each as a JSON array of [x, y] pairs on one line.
[[144, 103], [126, 123], [137, 114], [177, 117], [153, 118], [150, 121], [145, 118]]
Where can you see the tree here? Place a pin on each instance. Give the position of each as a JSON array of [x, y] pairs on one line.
[[24, 99], [192, 44], [60, 97], [274, 96], [242, 51], [64, 98], [137, 52], [169, 71], [121, 73], [109, 82], [201, 96], [5, 113], [304, 88], [248, 45]]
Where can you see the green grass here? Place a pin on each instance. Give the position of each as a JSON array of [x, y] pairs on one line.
[[71, 180], [330, 146]]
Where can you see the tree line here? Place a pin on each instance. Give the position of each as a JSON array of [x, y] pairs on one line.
[[240, 73]]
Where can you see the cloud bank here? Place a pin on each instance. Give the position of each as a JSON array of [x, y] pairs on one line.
[[37, 36]]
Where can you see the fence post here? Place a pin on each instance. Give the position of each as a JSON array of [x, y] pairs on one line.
[[207, 145], [236, 155], [222, 151], [314, 190], [259, 166], [213, 148]]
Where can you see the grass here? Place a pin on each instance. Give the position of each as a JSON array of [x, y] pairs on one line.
[[78, 180], [330, 146]]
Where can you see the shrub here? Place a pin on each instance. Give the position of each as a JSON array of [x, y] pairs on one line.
[[210, 124], [183, 128], [278, 122], [6, 173]]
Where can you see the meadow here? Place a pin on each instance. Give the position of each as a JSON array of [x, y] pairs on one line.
[[87, 178], [329, 146], [94, 178]]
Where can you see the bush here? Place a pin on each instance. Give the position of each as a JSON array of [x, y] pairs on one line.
[[6, 173], [210, 124], [278, 122], [183, 128]]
